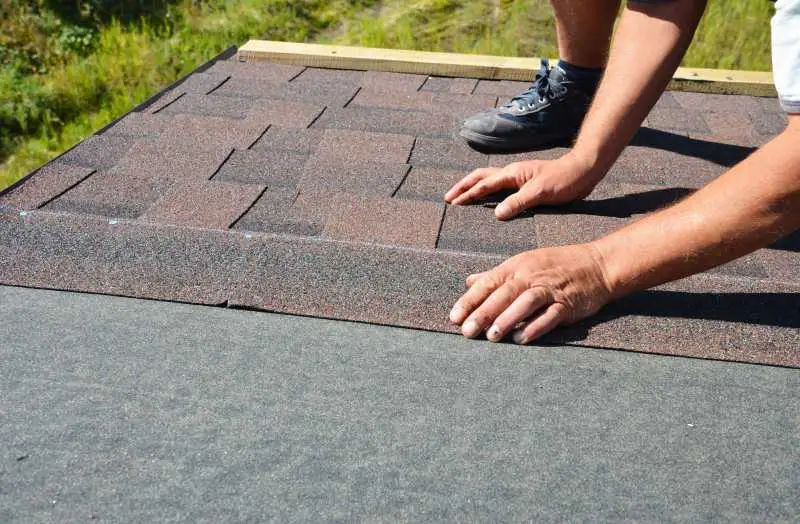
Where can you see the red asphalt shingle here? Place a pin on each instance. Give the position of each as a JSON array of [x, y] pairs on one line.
[[51, 181], [388, 221], [214, 205], [437, 84]]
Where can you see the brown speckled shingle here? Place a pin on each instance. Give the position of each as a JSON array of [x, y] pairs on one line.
[[424, 183], [438, 84], [320, 192], [388, 221], [214, 205], [358, 176], [475, 229], [270, 167], [52, 180]]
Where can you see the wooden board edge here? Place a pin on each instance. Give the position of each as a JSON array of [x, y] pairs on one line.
[[452, 64]]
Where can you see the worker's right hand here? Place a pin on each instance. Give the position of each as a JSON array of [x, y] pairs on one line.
[[537, 182]]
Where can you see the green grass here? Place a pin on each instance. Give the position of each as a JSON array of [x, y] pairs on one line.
[[65, 73], [48, 108], [734, 34]]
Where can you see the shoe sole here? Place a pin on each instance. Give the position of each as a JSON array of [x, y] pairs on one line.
[[489, 144]]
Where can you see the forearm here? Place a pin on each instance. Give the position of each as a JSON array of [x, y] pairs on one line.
[[648, 46], [747, 208]]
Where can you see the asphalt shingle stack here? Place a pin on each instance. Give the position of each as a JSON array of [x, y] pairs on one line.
[[319, 192]]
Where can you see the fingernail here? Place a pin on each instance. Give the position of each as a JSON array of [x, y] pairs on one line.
[[493, 334], [501, 211], [471, 329], [456, 315], [520, 338]]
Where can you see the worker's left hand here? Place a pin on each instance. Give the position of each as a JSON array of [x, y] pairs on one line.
[[532, 293], [536, 182]]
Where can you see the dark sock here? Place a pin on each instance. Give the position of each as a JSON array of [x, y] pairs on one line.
[[586, 77]]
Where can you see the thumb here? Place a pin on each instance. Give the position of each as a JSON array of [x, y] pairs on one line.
[[526, 197]]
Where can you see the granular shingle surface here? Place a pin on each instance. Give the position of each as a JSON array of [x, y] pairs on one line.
[[319, 192]]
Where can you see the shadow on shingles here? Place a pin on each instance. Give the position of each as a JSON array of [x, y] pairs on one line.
[[788, 243], [726, 155], [618, 207], [764, 309]]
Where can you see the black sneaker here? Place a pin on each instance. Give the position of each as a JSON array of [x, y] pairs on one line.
[[548, 113]]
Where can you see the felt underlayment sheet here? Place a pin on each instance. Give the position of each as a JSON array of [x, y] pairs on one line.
[[319, 192]]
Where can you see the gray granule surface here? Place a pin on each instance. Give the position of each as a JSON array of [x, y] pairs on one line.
[[320, 192], [459, 106], [269, 167], [115, 257], [423, 183], [202, 83], [501, 87], [140, 125], [98, 152], [121, 409], [389, 83], [116, 193], [211, 105], [474, 229], [353, 176], [402, 287], [332, 95], [289, 139], [388, 221], [379, 120], [464, 86], [49, 182], [341, 146], [204, 204], [446, 153], [275, 73]]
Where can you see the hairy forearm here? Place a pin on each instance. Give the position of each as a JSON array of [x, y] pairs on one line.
[[647, 49], [749, 207]]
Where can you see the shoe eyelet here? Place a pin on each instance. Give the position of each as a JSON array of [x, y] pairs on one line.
[[542, 100]]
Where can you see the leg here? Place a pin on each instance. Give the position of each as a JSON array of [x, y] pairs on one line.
[[551, 111], [584, 30]]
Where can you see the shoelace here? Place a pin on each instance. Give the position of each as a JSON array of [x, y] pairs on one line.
[[543, 89]]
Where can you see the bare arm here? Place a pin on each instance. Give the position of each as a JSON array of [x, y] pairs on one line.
[[647, 48], [749, 207]]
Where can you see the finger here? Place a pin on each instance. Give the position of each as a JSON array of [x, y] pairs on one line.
[[474, 297], [471, 279], [528, 303], [468, 181], [487, 186], [515, 204], [552, 317], [485, 314]]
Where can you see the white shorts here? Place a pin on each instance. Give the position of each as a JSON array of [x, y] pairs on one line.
[[786, 53]]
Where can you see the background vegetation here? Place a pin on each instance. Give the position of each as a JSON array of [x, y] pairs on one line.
[[68, 67]]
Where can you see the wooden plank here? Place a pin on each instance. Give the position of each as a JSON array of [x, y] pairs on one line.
[[724, 76], [394, 60], [444, 64]]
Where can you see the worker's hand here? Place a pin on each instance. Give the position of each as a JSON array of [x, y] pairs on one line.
[[538, 182], [532, 293]]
